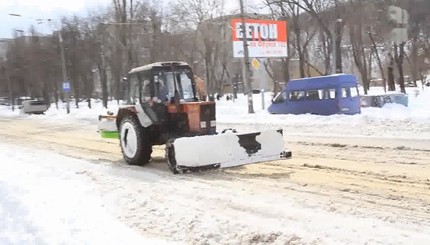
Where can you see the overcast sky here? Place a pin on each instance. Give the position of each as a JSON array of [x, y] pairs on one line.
[[31, 10]]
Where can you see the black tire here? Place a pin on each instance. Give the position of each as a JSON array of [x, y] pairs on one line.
[[170, 157], [135, 143], [229, 129]]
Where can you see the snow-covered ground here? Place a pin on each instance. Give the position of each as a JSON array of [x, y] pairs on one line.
[[45, 200], [51, 199]]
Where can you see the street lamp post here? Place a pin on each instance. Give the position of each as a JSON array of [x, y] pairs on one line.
[[64, 71]]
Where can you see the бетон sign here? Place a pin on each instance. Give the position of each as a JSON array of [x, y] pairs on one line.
[[266, 38]]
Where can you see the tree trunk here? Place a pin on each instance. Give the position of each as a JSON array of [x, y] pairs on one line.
[[55, 92], [297, 32], [375, 49], [391, 83], [414, 63], [399, 57], [338, 38], [338, 42]]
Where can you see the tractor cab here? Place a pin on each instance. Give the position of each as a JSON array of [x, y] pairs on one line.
[[160, 83], [163, 96]]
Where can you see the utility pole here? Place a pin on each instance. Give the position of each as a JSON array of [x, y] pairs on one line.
[[63, 66], [246, 61]]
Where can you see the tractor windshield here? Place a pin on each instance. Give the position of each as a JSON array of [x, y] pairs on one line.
[[165, 85]]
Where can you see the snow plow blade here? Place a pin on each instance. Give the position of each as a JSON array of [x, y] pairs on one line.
[[225, 150]]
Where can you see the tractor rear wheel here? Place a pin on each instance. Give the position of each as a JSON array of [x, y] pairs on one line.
[[135, 143]]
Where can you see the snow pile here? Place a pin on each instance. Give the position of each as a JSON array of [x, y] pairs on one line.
[[6, 111], [420, 105], [42, 203], [83, 113]]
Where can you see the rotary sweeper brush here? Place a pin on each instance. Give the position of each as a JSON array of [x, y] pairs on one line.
[[162, 108]]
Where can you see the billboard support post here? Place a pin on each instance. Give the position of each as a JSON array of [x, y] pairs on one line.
[[246, 78]]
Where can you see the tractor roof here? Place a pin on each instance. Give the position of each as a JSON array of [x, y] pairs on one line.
[[158, 65]]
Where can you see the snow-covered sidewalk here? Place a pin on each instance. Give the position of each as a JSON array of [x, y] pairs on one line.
[[44, 200], [392, 121]]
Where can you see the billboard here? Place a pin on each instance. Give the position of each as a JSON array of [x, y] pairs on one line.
[[266, 38]]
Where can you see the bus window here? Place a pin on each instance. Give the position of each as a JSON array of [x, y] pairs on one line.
[[354, 92], [346, 92], [280, 97], [329, 94], [297, 95], [321, 93], [313, 95]]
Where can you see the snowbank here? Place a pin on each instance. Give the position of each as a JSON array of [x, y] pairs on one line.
[[389, 120]]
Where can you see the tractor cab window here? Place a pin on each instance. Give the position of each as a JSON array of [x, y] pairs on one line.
[[186, 86], [133, 89], [165, 85], [139, 88], [146, 90]]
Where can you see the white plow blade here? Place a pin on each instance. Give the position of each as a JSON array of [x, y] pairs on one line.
[[229, 149]]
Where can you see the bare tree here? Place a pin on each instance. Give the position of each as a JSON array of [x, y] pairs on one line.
[[399, 55], [206, 17], [356, 26], [316, 9]]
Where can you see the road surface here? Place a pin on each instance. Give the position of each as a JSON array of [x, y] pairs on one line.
[[333, 190]]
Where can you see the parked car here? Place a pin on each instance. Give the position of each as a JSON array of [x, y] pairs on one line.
[[34, 107], [381, 100], [4, 101], [18, 101], [325, 95]]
